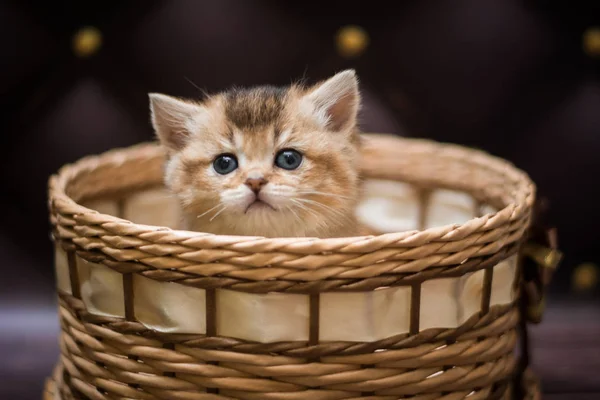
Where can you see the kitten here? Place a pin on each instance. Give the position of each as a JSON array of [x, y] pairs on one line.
[[265, 161]]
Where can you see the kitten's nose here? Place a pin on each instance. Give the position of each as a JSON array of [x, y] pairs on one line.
[[256, 183]]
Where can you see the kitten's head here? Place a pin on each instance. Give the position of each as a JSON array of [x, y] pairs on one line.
[[265, 161]]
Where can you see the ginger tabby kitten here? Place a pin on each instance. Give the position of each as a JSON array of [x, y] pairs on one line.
[[265, 161]]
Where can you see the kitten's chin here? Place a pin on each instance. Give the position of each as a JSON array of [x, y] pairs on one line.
[[259, 206], [260, 218]]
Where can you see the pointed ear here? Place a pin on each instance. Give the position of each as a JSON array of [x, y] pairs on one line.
[[336, 101], [171, 119]]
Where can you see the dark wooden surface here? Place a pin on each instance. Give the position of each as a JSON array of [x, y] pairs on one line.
[[566, 349]]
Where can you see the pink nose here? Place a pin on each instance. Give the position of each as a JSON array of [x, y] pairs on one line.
[[256, 184]]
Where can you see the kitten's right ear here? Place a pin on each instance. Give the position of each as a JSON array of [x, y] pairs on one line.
[[336, 101], [171, 119]]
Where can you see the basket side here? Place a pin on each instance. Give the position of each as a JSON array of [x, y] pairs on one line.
[[115, 273]]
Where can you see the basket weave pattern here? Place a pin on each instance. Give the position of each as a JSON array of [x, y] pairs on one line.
[[107, 357]]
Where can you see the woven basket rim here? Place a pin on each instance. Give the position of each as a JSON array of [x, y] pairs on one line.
[[59, 181]]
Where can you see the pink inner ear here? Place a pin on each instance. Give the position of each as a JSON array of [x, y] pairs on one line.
[[171, 132], [176, 138], [342, 113]]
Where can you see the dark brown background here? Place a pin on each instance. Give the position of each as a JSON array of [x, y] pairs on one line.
[[507, 76]]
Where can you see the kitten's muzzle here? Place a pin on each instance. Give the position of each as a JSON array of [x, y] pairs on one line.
[[256, 184]]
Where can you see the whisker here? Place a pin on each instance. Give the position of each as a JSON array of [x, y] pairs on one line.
[[295, 213], [334, 211], [324, 206], [217, 214], [321, 221], [297, 218], [314, 213], [206, 212], [201, 90]]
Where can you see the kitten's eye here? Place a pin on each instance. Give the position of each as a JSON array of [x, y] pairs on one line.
[[225, 164], [288, 159]]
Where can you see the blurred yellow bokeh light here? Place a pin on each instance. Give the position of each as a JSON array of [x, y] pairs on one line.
[[591, 41], [87, 41], [585, 277], [352, 41]]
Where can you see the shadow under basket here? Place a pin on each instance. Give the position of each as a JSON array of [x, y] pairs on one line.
[[430, 308]]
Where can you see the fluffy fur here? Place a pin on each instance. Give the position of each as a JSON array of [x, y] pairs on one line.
[[254, 124]]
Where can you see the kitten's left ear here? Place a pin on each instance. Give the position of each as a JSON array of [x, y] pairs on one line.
[[336, 101]]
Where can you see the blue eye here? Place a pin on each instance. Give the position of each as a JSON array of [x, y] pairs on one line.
[[225, 164], [288, 159]]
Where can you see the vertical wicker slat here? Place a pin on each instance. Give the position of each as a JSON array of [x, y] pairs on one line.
[[415, 307], [424, 200], [211, 312], [211, 324], [74, 274], [486, 295], [128, 294], [314, 318]]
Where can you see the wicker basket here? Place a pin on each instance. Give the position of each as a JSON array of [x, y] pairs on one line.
[[430, 311]]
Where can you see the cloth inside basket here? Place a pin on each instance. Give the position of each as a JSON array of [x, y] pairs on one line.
[[386, 207]]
